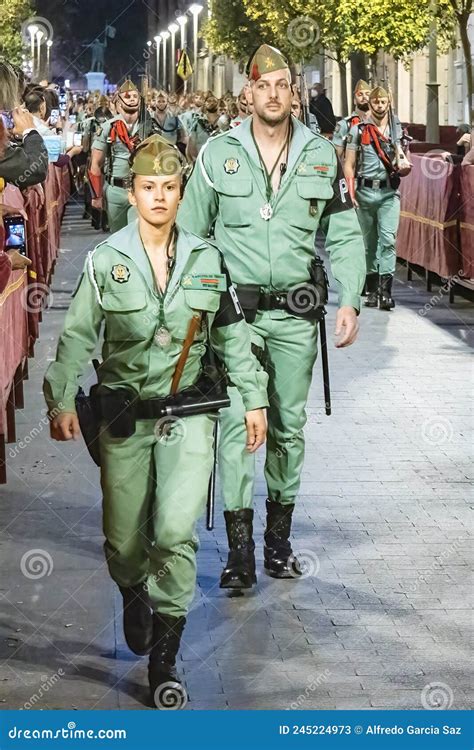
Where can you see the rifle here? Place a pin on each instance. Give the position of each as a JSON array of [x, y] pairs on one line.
[[400, 162], [142, 115], [319, 262]]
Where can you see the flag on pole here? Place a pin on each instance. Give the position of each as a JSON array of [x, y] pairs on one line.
[[184, 69]]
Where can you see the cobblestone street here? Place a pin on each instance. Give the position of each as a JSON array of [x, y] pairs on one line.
[[382, 616]]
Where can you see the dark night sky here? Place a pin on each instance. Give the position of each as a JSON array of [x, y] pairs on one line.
[[76, 22]]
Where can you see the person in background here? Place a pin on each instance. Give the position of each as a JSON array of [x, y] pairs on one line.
[[24, 161], [464, 142], [321, 108]]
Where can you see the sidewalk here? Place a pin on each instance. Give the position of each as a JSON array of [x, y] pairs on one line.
[[381, 617]]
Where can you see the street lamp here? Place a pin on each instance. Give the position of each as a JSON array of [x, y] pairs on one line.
[[39, 36], [195, 9], [32, 29], [49, 44], [157, 40], [173, 28], [165, 35]]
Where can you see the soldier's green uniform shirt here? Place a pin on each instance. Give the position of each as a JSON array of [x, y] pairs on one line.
[[227, 190], [342, 129], [228, 185], [154, 486], [119, 211], [171, 129], [369, 164], [117, 287], [119, 152]]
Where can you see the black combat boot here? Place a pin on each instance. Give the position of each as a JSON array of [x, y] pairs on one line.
[[279, 561], [166, 690], [386, 301], [371, 290], [137, 620], [239, 573]]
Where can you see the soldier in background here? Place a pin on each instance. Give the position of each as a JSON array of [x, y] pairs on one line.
[[371, 152], [361, 101], [114, 142]]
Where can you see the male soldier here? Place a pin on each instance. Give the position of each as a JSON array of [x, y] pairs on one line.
[[370, 154], [361, 101], [115, 142], [90, 127], [268, 185], [168, 125], [203, 126], [243, 112]]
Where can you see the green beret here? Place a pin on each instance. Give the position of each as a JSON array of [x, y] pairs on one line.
[[156, 157], [378, 93], [265, 60], [127, 85], [361, 85]]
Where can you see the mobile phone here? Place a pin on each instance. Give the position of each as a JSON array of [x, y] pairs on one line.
[[15, 233], [77, 140], [54, 116], [62, 100], [7, 118], [72, 119]]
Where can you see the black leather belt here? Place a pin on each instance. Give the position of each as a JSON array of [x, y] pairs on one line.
[[118, 182], [364, 182]]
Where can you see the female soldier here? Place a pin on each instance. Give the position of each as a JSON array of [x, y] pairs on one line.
[[162, 294]]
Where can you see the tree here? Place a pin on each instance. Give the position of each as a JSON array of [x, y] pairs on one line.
[[13, 13], [231, 32]]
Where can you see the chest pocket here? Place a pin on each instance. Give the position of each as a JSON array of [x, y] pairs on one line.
[[126, 318], [311, 192], [233, 200]]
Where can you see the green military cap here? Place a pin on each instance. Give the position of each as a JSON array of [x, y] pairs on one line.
[[156, 157], [127, 85], [378, 93], [361, 85], [265, 60]]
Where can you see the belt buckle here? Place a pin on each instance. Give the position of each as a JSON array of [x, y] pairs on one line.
[[376, 184]]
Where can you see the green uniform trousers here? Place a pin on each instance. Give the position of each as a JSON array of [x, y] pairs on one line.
[[119, 211], [154, 490], [379, 215], [290, 346]]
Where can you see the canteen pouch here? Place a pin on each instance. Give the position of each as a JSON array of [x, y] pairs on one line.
[[249, 297], [89, 422], [118, 409], [394, 180]]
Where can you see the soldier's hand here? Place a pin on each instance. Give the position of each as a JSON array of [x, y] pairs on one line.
[[97, 203], [65, 426], [256, 424], [347, 326]]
